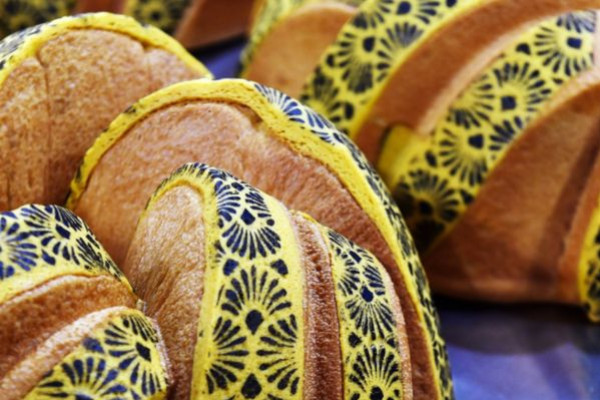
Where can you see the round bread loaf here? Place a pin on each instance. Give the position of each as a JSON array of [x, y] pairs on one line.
[[62, 83], [68, 324], [281, 147], [257, 302]]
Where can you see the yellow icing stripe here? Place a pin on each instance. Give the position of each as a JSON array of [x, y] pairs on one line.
[[437, 184], [23, 44], [357, 68], [251, 327], [119, 358], [311, 135], [369, 338], [39, 243], [589, 268]]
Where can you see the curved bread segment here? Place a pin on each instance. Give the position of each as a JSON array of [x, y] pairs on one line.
[[49, 118], [373, 339], [579, 265], [44, 242], [267, 131], [323, 358], [541, 181], [30, 370], [52, 271], [33, 316], [244, 289], [120, 352], [437, 186], [166, 266], [288, 54], [380, 52]]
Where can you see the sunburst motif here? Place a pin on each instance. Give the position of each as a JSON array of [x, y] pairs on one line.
[[397, 38], [473, 108], [375, 375], [231, 352], [278, 355], [257, 295], [132, 340], [428, 203], [463, 156], [571, 54]]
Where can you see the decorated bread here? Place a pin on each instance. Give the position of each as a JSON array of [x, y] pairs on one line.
[[61, 84], [257, 302], [287, 39], [492, 196], [403, 62], [69, 327], [273, 142]]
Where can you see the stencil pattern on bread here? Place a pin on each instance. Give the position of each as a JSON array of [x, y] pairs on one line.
[[250, 334], [119, 360], [327, 132], [368, 49], [368, 327], [38, 242], [439, 182]]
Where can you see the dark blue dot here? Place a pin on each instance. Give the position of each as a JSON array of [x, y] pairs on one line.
[[476, 141], [247, 217], [368, 43], [524, 48], [251, 388], [366, 294], [425, 208], [376, 393], [280, 267], [354, 339], [253, 320], [404, 8], [574, 42], [508, 103], [450, 3], [230, 266], [143, 351]]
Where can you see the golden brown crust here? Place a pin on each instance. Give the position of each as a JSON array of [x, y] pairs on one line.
[[55, 104], [495, 23], [166, 265], [25, 132], [30, 370], [30, 318], [225, 136], [288, 54], [524, 211], [323, 359], [211, 21]]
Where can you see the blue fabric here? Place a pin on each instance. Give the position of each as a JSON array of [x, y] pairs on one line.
[[499, 352]]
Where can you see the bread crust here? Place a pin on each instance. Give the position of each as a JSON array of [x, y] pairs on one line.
[[518, 221]]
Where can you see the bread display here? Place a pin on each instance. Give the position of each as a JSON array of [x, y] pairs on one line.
[[273, 142], [257, 302], [61, 84], [399, 62], [69, 327]]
